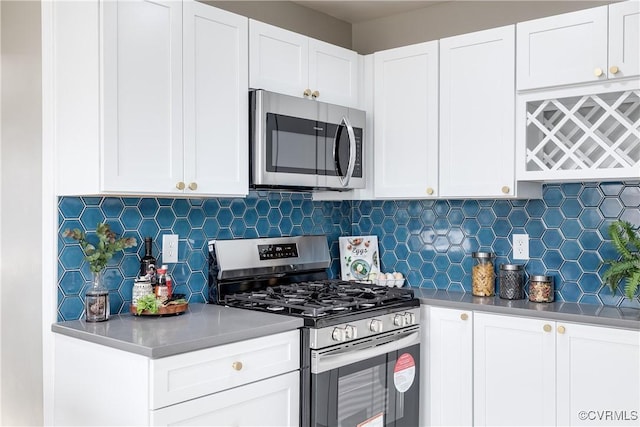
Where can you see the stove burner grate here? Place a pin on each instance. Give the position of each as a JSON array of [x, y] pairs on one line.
[[316, 299]]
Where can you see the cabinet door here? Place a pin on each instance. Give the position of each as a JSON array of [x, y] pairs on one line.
[[477, 103], [563, 49], [624, 39], [272, 402], [514, 371], [598, 375], [406, 121], [333, 73], [450, 362], [142, 90], [215, 101], [278, 59]]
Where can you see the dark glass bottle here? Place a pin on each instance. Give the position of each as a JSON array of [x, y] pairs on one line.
[[148, 261]]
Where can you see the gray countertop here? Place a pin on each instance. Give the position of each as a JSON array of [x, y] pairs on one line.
[[620, 317], [209, 325], [201, 326]]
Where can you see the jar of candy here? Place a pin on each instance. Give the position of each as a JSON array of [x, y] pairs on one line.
[[541, 289]]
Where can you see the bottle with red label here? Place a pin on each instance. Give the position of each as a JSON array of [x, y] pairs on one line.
[[164, 287]]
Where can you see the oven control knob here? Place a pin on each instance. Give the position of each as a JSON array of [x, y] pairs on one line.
[[376, 325], [351, 332], [339, 334], [409, 318], [398, 320]]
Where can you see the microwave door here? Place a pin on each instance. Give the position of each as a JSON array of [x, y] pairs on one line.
[[291, 148]]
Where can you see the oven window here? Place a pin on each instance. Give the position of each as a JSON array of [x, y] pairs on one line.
[[362, 396]]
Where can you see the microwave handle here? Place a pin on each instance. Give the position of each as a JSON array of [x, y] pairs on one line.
[[344, 180]]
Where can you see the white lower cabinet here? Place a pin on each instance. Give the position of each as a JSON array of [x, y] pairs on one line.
[[271, 402], [597, 375], [514, 371], [492, 369], [541, 372], [248, 383], [447, 379]]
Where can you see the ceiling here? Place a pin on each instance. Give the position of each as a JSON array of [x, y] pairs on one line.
[[354, 11]]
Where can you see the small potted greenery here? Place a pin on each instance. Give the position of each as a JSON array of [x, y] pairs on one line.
[[626, 269], [98, 255]]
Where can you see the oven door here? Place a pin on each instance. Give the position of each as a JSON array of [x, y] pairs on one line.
[[372, 383]]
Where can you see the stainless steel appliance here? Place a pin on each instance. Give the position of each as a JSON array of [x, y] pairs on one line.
[[361, 342], [298, 143]]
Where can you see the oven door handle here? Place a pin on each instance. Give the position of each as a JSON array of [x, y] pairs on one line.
[[348, 355]]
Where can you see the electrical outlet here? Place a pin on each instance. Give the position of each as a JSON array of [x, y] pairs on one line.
[[520, 246], [169, 248]]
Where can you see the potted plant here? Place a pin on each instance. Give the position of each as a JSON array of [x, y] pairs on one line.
[[98, 255], [626, 269]]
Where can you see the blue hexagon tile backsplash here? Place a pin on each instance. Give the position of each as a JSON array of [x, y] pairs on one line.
[[429, 241]]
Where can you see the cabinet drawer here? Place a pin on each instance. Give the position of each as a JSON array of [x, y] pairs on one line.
[[272, 402], [186, 376]]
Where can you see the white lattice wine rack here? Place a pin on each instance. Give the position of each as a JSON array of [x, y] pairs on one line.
[[591, 133]]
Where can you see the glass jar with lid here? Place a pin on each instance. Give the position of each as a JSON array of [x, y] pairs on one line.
[[483, 276], [541, 289], [511, 284]]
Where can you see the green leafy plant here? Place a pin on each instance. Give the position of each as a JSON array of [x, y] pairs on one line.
[[626, 240], [148, 302], [99, 253]]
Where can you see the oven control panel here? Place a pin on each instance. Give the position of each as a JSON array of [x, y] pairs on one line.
[[363, 328], [278, 251]]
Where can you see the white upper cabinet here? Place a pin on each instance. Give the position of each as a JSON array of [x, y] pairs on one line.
[[406, 121], [169, 89], [579, 47], [216, 68], [477, 113], [624, 39], [143, 143], [286, 62]]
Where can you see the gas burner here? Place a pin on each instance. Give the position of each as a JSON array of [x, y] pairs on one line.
[[313, 314], [315, 299]]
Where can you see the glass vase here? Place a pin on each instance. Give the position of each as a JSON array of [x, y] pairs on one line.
[[96, 300]]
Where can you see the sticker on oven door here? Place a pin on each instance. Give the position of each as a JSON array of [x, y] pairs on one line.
[[404, 372], [375, 421]]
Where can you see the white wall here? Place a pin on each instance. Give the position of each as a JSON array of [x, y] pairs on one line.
[[453, 18], [293, 17], [20, 223]]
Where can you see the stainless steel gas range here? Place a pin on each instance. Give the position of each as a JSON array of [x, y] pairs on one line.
[[360, 343]]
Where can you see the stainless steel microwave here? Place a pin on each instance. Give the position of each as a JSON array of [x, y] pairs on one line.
[[302, 144]]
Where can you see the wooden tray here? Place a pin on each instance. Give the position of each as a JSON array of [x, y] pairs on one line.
[[169, 310]]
